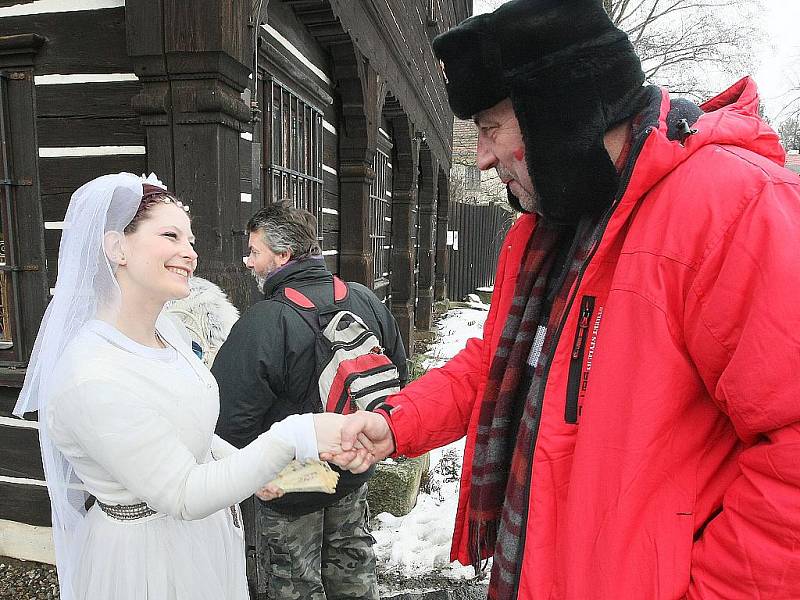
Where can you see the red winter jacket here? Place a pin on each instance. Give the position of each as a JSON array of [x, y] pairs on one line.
[[681, 476]]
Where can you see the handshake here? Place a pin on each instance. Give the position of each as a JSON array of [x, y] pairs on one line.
[[353, 442]]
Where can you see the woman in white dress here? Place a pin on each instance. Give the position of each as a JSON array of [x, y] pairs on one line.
[[127, 412]]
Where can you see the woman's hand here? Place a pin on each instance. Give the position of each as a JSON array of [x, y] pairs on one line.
[[328, 429], [269, 492]]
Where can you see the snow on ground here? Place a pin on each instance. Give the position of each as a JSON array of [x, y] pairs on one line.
[[453, 331], [418, 544]]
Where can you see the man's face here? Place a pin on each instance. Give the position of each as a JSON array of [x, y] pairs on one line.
[[500, 146], [262, 261]]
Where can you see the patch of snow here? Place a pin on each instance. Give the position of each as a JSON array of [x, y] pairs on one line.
[[454, 329], [418, 543]]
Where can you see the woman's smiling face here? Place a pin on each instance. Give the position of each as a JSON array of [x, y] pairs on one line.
[[159, 256]]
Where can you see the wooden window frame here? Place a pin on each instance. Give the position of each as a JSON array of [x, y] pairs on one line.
[[26, 292], [292, 149]]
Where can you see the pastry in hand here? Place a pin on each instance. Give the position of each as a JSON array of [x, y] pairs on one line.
[[307, 476]]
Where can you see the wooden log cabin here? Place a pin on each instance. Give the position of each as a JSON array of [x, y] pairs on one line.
[[336, 104]]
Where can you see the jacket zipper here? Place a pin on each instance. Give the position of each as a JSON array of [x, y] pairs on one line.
[[635, 151], [576, 359]]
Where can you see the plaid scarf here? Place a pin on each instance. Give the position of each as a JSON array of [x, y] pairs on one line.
[[509, 417]]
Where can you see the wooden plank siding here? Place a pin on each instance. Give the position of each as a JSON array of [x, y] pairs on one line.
[[77, 42], [21, 453], [8, 398], [25, 503], [62, 176], [75, 112], [81, 115], [88, 114]]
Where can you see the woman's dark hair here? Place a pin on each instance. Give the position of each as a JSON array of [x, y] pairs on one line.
[[151, 196]]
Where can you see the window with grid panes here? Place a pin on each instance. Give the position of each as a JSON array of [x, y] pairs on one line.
[[294, 152], [15, 334], [380, 214]]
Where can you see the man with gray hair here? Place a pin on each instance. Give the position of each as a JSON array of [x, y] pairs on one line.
[[307, 545]]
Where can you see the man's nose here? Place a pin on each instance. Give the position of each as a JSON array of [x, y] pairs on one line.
[[486, 158]]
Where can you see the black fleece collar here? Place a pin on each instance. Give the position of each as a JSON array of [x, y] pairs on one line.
[[296, 274]]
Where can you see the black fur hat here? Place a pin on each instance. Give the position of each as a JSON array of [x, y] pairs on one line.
[[570, 74]]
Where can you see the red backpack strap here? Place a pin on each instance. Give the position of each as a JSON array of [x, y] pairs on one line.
[[340, 289], [297, 298]]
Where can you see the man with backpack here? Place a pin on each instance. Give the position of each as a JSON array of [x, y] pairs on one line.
[[311, 336]]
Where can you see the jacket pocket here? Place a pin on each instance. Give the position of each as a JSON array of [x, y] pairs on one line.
[[578, 378]]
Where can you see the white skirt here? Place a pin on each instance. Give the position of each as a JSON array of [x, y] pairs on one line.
[[160, 558]]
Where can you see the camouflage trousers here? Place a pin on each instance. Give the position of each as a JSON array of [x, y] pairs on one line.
[[324, 555]]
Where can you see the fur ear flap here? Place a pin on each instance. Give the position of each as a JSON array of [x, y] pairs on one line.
[[564, 111], [113, 246], [563, 132]]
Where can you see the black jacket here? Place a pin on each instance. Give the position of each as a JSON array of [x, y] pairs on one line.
[[265, 369]]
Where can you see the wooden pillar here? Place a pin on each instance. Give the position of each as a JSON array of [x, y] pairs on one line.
[[429, 169], [194, 65], [442, 255], [361, 93], [404, 206]]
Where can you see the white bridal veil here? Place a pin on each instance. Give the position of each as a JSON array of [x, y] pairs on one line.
[[85, 282]]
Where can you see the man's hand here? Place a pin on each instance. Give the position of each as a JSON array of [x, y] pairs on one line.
[[328, 429], [362, 431]]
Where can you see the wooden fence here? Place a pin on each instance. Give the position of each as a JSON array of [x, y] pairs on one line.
[[474, 238]]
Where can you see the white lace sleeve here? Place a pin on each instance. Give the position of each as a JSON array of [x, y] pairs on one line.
[[141, 450], [220, 448]]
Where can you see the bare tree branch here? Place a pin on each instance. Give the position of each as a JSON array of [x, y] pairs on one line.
[[681, 41]]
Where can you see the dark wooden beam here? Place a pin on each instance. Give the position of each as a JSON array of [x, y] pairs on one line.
[[193, 66], [429, 183], [25, 504], [360, 93], [67, 49], [19, 453], [442, 266], [404, 208]]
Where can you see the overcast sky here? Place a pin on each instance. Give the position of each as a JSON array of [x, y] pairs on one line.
[[778, 68], [780, 60]]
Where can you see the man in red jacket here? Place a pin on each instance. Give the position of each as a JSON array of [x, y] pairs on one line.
[[632, 411]]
